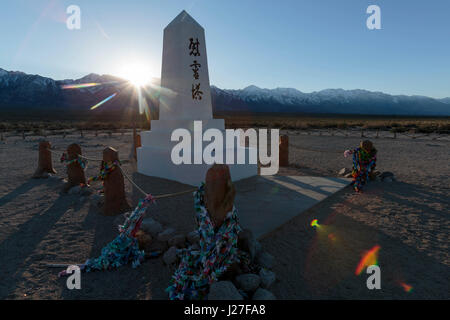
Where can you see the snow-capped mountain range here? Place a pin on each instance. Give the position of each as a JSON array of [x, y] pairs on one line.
[[336, 101], [19, 90]]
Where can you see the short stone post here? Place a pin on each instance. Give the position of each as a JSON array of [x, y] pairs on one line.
[[114, 186], [75, 173], [284, 151], [138, 144], [219, 193], [45, 164]]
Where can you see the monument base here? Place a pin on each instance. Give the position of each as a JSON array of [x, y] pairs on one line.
[[156, 162], [154, 157]]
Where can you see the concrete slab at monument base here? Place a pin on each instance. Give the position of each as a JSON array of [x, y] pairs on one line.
[[264, 203]]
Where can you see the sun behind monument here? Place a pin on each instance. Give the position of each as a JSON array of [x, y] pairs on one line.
[[137, 73]]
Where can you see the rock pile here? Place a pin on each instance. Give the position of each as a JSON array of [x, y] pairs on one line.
[[250, 279], [253, 276]]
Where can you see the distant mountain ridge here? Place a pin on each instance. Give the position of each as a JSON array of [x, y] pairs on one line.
[[336, 101], [19, 90]]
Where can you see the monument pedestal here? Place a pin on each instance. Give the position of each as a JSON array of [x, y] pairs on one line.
[[154, 157]]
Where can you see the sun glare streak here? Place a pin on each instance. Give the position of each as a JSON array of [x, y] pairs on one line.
[[80, 86], [104, 101], [408, 288], [143, 106], [369, 258]]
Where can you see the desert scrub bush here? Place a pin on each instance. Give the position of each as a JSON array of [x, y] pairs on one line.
[[443, 128], [342, 125], [6, 126], [398, 129], [39, 132]]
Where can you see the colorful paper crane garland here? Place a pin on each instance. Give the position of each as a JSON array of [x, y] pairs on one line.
[[105, 169], [124, 248], [363, 164], [65, 159], [198, 269]]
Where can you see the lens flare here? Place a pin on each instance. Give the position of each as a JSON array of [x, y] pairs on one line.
[[332, 237], [369, 258], [408, 288], [104, 101], [314, 223], [80, 86]]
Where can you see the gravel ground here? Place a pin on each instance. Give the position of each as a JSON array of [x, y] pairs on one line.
[[408, 218]]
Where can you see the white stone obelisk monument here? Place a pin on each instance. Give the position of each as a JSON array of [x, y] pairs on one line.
[[185, 97]]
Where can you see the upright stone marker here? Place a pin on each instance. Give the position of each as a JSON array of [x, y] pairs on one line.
[[114, 187], [185, 97], [284, 151], [75, 173], [45, 164], [219, 193]]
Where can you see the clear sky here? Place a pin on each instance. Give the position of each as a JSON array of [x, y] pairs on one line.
[[309, 45]]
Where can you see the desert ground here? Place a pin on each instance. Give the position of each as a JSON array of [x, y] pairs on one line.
[[408, 218]]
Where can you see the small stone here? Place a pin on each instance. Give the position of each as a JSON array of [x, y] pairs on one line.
[[348, 175], [263, 294], [224, 290], [193, 237], [385, 175], [159, 246], [166, 234], [247, 242], [170, 256], [267, 278], [244, 294], [151, 226], [343, 171], [265, 260], [248, 281], [178, 241], [75, 190]]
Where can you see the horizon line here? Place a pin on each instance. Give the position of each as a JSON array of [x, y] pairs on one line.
[[250, 85]]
